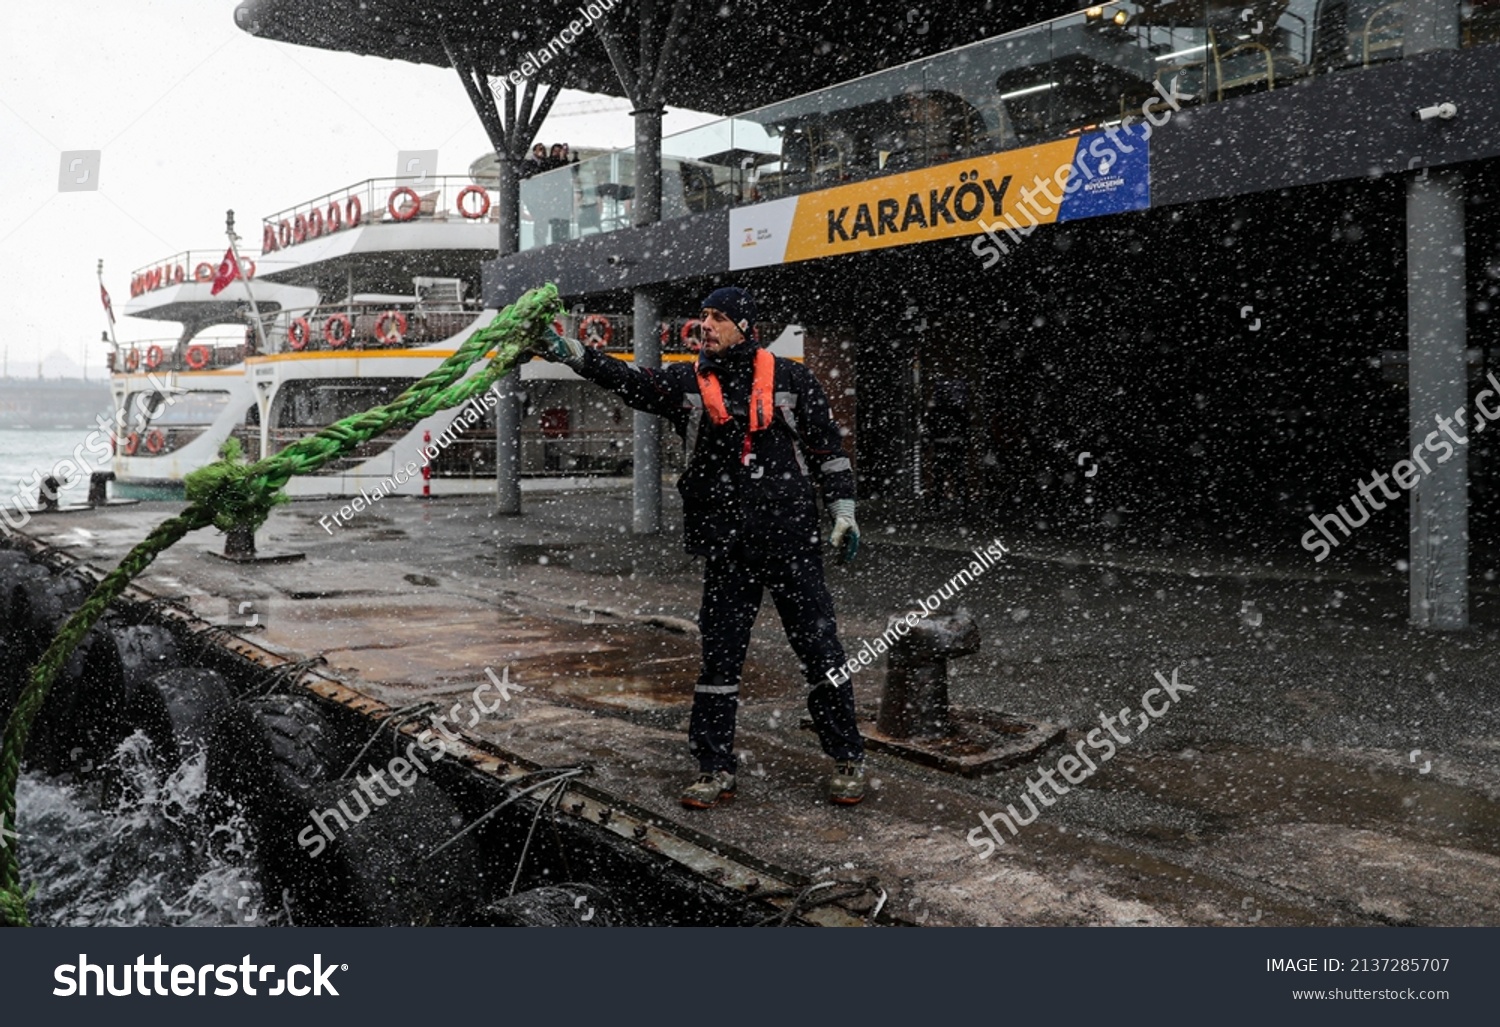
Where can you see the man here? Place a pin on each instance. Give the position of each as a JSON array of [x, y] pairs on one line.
[[758, 432]]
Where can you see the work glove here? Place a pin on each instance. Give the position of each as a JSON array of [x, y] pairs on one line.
[[560, 348], [845, 536]]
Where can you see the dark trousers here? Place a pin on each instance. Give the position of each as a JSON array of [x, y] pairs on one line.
[[732, 589]]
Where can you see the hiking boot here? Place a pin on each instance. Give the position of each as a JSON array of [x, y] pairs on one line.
[[846, 785], [709, 790]]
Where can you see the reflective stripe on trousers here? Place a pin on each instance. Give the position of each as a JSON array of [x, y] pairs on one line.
[[732, 591]]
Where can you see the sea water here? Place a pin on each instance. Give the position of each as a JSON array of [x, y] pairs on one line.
[[150, 852], [24, 450], [154, 852]]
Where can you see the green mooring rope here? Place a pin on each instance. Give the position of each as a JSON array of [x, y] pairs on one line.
[[230, 493]]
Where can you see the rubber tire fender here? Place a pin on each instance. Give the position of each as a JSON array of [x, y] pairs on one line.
[[270, 751], [376, 872]]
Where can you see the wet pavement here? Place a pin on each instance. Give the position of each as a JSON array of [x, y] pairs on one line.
[[1321, 762]]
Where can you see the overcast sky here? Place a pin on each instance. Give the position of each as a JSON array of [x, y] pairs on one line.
[[192, 117]]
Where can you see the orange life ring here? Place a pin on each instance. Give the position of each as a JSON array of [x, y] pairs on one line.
[[153, 357], [407, 212], [178, 275], [132, 443], [132, 360], [336, 341], [297, 333], [204, 272], [156, 441], [299, 229], [484, 201], [692, 340], [198, 356], [268, 239], [591, 338], [396, 336], [314, 223], [334, 217], [284, 233], [353, 212]]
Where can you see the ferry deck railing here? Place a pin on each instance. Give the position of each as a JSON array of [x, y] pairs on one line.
[[382, 201], [187, 267]]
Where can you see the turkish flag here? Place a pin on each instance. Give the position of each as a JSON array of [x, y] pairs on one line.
[[229, 270], [109, 308]]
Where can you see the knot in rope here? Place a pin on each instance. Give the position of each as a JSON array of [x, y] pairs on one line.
[[230, 491]]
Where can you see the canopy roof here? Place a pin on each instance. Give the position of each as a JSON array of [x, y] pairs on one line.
[[733, 56]]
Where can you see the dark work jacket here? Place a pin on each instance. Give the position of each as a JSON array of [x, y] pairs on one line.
[[769, 506]]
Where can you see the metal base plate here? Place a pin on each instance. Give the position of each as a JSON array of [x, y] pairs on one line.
[[258, 557], [82, 509], [982, 741]]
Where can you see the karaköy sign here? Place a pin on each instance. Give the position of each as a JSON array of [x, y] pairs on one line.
[[947, 201]]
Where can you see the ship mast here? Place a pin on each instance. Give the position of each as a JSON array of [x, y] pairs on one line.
[[109, 322], [260, 333]]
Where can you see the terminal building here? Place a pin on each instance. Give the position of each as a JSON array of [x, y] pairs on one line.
[[1148, 273]]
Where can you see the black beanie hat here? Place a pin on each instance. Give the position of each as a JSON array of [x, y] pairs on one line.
[[736, 303]]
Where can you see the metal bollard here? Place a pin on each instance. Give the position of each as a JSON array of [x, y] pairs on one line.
[[47, 493], [239, 543], [99, 487], [239, 547], [915, 700]]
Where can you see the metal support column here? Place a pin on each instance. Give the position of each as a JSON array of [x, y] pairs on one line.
[[1437, 370], [511, 126], [508, 389], [646, 483], [508, 444], [508, 203], [1437, 387], [643, 82]]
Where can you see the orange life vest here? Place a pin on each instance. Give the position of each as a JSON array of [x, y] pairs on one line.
[[762, 400]]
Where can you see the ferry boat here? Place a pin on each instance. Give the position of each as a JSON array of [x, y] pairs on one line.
[[360, 292], [177, 399]]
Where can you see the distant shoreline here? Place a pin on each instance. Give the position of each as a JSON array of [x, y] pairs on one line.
[[52, 403]]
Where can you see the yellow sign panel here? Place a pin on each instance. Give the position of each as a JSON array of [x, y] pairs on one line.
[[941, 202]]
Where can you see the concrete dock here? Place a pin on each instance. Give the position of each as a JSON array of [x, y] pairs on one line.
[[1325, 764]]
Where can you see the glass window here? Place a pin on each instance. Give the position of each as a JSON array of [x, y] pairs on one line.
[[197, 407], [316, 404]]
